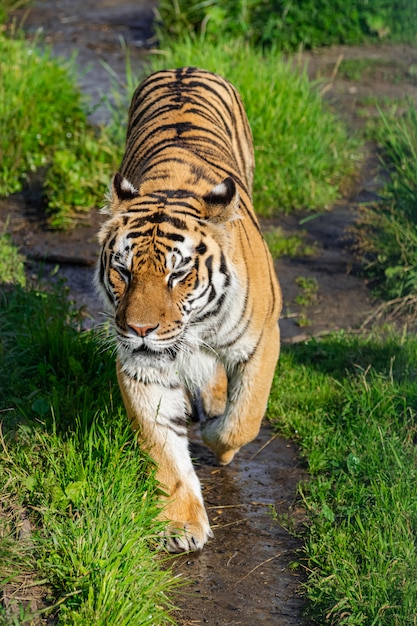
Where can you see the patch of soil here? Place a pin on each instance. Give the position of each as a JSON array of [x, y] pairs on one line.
[[243, 575]]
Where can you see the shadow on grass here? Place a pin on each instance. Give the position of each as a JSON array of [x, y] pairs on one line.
[[343, 355], [49, 370]]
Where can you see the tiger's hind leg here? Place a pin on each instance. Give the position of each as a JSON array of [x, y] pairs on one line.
[[248, 391], [158, 414]]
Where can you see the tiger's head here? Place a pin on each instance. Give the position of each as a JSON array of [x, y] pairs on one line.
[[164, 267]]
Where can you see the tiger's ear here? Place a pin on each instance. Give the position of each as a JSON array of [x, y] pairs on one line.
[[121, 190], [222, 202]]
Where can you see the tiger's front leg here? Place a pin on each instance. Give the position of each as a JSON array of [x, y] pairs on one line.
[[247, 397], [158, 413]]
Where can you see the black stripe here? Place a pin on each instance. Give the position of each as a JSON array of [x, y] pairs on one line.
[[202, 248], [199, 297], [102, 272], [209, 266], [224, 270], [212, 295], [146, 383], [180, 420], [161, 218]]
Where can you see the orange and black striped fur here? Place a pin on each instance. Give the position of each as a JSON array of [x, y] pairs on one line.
[[189, 281]]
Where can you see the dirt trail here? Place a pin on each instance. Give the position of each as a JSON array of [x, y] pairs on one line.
[[242, 576]]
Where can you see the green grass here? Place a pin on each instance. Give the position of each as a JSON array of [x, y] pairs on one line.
[[292, 246], [386, 232], [86, 166], [302, 151], [12, 268], [30, 127], [309, 288], [70, 461], [350, 403], [291, 25], [49, 132], [7, 6]]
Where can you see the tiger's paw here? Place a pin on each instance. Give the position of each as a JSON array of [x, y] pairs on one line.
[[186, 537], [226, 457], [211, 435], [188, 527]]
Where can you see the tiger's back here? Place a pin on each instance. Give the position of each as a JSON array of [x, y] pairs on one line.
[[186, 112], [188, 277]]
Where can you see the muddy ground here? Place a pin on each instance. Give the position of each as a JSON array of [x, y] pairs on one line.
[[243, 575]]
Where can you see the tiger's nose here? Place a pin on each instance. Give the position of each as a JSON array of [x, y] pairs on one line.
[[142, 329]]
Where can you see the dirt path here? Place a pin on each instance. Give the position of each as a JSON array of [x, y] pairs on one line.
[[242, 576]]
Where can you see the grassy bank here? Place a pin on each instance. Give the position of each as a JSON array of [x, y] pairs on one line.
[[386, 232], [351, 405], [49, 135], [69, 466], [291, 25]]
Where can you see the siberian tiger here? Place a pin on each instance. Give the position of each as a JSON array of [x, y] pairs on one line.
[[189, 282]]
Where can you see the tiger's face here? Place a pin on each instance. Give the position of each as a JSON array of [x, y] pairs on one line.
[[161, 276]]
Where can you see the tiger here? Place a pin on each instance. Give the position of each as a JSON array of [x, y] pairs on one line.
[[189, 284]]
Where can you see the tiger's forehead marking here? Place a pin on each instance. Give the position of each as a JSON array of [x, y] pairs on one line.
[[174, 247]]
